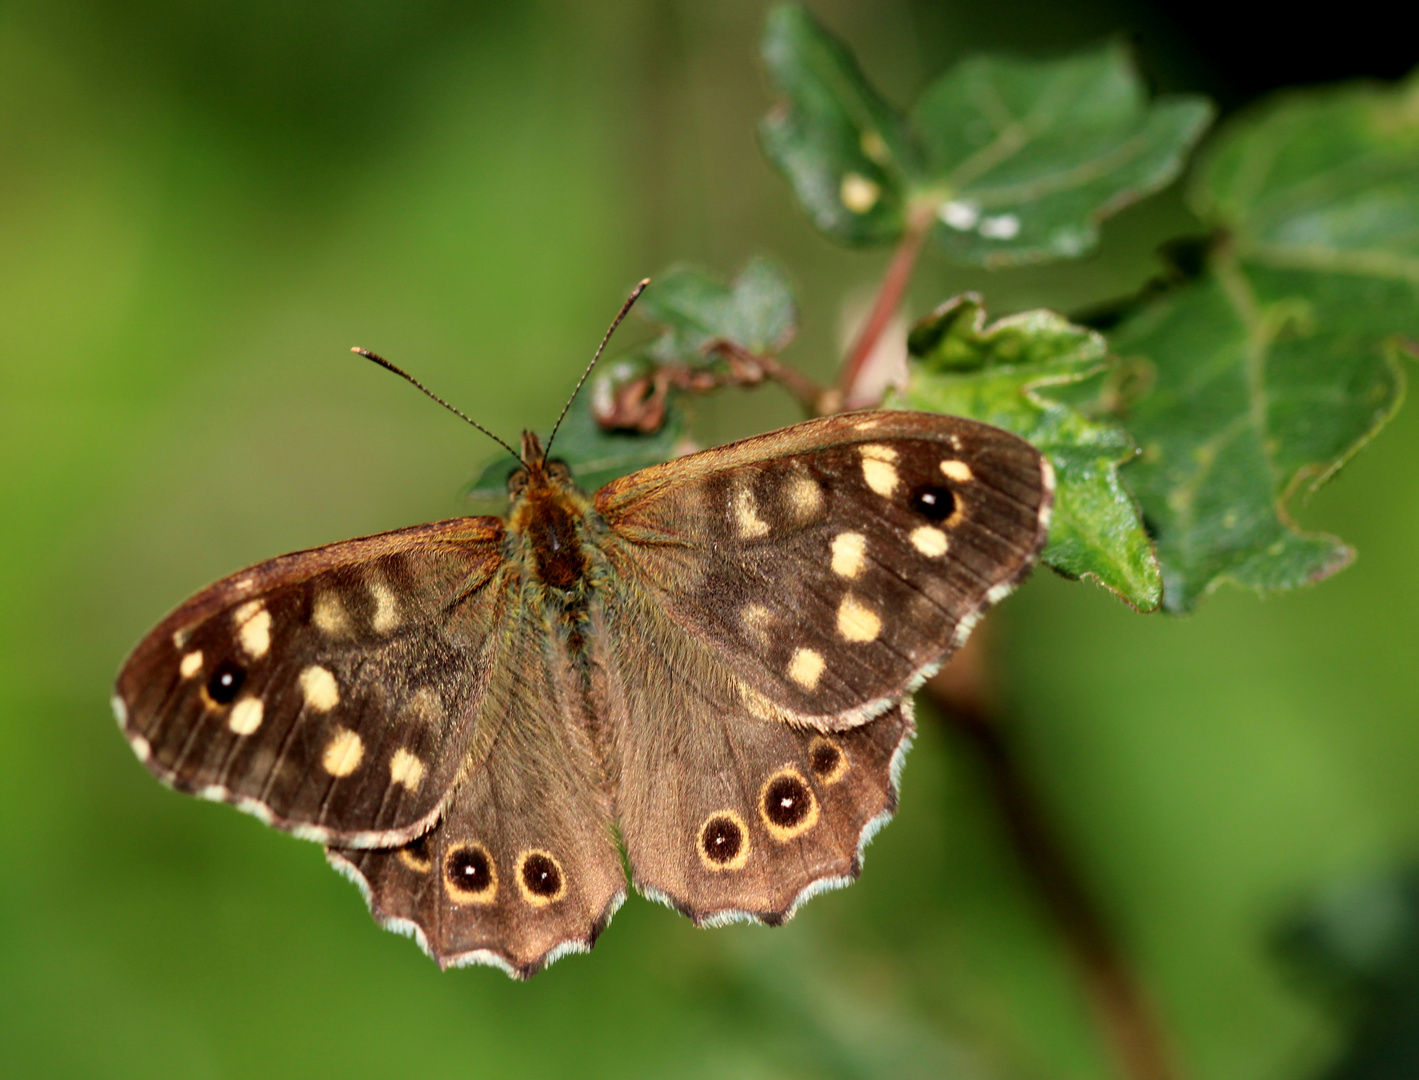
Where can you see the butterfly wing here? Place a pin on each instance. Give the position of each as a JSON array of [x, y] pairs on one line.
[[834, 563], [769, 605], [726, 815], [522, 867], [335, 692]]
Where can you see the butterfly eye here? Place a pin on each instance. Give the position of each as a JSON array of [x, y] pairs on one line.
[[226, 682], [934, 503], [517, 482], [559, 470]]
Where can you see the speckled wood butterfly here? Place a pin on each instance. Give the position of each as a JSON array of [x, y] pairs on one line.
[[707, 663]]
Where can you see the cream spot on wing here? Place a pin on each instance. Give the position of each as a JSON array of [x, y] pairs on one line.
[[406, 768], [425, 707], [746, 515], [857, 621], [343, 753], [318, 686], [858, 193], [955, 441], [179, 638], [253, 623], [191, 664], [756, 620], [930, 541], [386, 615], [958, 471], [878, 468], [849, 554], [867, 423], [141, 747], [329, 615], [246, 716], [805, 668], [805, 498]]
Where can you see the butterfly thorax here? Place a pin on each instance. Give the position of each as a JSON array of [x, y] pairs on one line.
[[546, 510]]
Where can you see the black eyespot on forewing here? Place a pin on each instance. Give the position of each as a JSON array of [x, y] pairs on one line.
[[226, 682], [541, 875], [934, 502], [787, 801], [721, 839]]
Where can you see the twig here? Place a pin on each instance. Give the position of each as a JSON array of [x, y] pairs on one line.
[[639, 405], [889, 298], [1132, 1032]]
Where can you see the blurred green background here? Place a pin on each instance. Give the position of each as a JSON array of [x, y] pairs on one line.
[[203, 206]]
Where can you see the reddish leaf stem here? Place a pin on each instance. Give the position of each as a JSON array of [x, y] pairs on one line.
[[889, 298]]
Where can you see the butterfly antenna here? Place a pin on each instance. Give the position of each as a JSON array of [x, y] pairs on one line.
[[626, 307], [382, 362]]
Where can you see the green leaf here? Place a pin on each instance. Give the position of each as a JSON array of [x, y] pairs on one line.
[[595, 456], [1013, 374], [1006, 160], [694, 308], [1025, 158], [1283, 358], [839, 144]]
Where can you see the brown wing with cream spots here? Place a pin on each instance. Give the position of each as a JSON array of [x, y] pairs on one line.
[[333, 692], [834, 562], [725, 815], [522, 867]]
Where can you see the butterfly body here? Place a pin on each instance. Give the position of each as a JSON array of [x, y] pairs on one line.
[[708, 663]]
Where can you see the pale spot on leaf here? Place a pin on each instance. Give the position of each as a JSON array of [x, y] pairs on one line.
[[874, 146], [958, 471], [253, 623], [857, 621], [343, 753], [191, 664], [930, 541], [858, 193], [406, 768], [318, 686], [246, 716], [849, 554], [806, 668]]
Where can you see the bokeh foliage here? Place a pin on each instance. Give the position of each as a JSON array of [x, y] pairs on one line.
[[204, 206]]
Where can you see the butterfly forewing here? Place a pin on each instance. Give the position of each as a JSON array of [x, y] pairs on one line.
[[332, 692], [833, 563]]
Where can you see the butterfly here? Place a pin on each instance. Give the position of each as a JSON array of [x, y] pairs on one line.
[[706, 665]]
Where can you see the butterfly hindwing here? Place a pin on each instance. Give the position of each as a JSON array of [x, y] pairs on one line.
[[833, 563], [522, 867], [332, 692], [726, 814]]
